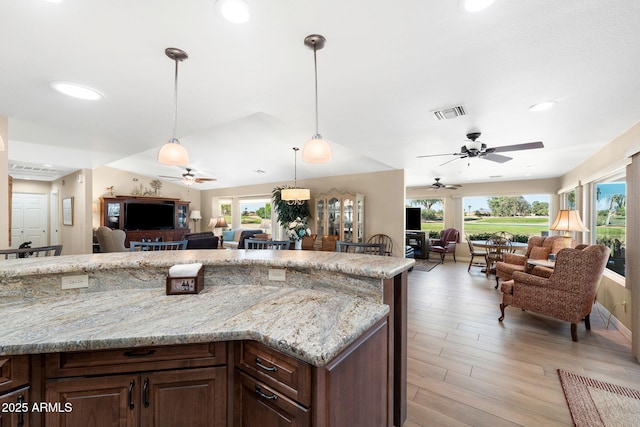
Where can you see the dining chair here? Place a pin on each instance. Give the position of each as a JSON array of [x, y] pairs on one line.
[[275, 245], [475, 253], [41, 251], [385, 240], [360, 248], [496, 247], [158, 246]]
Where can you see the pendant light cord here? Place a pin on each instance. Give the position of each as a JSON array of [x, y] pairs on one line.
[[315, 66], [175, 103], [295, 166]]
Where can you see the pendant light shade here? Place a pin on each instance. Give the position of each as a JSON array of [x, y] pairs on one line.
[[173, 153], [295, 195], [316, 150]]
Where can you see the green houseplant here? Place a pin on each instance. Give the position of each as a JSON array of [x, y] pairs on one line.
[[288, 213]]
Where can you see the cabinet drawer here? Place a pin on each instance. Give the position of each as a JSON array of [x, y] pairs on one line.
[[14, 372], [259, 405], [135, 359], [285, 374]]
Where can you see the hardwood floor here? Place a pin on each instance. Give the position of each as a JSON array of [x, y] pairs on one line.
[[467, 369]]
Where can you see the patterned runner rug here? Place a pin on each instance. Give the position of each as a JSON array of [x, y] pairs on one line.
[[425, 265], [597, 403]]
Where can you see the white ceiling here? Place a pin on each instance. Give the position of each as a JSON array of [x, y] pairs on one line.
[[246, 93]]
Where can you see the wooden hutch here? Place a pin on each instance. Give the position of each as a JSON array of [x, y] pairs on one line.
[[113, 214]]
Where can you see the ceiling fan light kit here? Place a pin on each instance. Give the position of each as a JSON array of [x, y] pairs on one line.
[[316, 150], [173, 153], [235, 11]]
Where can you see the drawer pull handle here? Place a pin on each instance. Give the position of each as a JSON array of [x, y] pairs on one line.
[[130, 393], [266, 396], [266, 368], [21, 413], [132, 353], [145, 392]]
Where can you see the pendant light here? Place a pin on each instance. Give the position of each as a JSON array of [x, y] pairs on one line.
[[173, 153], [295, 195], [316, 150]]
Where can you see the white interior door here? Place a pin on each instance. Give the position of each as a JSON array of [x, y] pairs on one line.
[[29, 219]]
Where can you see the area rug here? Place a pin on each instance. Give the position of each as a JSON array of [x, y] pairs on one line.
[[598, 403], [425, 265]]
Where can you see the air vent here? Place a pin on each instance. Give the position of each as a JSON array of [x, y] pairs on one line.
[[449, 113], [24, 170]]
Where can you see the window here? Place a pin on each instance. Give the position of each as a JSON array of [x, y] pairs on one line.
[[522, 216], [431, 214], [610, 219], [254, 212]]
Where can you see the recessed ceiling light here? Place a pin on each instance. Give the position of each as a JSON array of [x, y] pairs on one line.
[[542, 106], [475, 5], [75, 90], [236, 11]]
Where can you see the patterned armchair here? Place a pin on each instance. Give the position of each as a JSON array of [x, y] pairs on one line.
[[446, 244], [538, 248], [567, 294]]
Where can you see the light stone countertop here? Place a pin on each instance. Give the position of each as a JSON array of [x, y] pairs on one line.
[[312, 324]]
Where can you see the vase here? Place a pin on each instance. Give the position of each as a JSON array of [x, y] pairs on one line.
[[298, 245]]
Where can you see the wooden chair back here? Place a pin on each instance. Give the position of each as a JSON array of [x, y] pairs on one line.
[[360, 248], [42, 251], [178, 245], [275, 245]]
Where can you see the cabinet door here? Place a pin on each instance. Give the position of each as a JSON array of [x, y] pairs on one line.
[[184, 398], [182, 214], [320, 217], [113, 214], [15, 408], [258, 405], [111, 401]]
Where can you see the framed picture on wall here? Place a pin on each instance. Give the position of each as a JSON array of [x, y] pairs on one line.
[[67, 211]]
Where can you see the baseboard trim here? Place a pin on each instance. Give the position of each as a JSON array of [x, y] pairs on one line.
[[614, 321]]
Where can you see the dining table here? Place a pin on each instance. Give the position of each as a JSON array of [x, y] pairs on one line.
[[497, 247]]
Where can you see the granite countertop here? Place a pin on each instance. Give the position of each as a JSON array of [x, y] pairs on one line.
[[356, 264], [310, 324]]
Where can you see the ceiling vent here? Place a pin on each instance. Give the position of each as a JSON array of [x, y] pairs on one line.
[[449, 113]]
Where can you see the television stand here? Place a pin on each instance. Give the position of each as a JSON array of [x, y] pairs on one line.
[[419, 242]]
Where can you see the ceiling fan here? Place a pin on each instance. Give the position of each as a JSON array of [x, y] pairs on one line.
[[474, 148], [438, 185], [188, 178]]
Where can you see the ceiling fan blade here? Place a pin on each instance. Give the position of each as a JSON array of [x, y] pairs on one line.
[[496, 158], [451, 186], [453, 160], [516, 147], [205, 179], [438, 155], [171, 177]]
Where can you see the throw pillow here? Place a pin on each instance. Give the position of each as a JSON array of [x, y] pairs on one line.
[[227, 235], [539, 253]]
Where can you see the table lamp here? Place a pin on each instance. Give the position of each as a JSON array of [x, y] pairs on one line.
[[567, 221], [219, 222], [195, 217]]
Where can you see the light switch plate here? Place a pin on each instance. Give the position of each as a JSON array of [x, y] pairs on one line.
[[277, 274], [75, 282]]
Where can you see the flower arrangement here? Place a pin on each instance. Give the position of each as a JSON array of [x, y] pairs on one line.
[[298, 229]]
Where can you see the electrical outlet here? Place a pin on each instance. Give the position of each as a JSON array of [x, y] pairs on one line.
[[75, 282], [277, 274], [624, 305]]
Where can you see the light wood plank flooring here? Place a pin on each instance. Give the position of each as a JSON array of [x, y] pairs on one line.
[[467, 369]]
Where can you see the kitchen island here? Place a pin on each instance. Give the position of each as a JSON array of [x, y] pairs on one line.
[[330, 311]]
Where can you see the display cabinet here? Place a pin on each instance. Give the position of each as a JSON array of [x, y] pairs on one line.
[[339, 213]]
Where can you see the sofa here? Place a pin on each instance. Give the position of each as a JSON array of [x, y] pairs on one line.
[[203, 240], [234, 239]]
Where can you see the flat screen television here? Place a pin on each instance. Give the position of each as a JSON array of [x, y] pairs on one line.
[[149, 216], [412, 219]]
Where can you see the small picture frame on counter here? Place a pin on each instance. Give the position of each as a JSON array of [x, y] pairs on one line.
[[179, 285]]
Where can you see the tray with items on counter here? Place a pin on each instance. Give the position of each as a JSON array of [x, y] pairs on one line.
[[185, 279]]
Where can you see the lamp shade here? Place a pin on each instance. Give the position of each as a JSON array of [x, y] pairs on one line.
[[220, 222], [295, 194], [265, 224], [196, 215], [568, 220], [211, 222], [173, 153], [316, 150]]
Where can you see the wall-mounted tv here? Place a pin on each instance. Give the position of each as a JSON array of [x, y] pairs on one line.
[[149, 216], [412, 219]]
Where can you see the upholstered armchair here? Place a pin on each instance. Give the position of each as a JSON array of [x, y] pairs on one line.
[[446, 244], [567, 294], [538, 247], [111, 240]]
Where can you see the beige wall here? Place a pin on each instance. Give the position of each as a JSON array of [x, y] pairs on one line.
[[125, 182], [384, 199], [4, 184]]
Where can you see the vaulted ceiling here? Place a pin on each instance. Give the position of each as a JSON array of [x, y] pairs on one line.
[[246, 93]]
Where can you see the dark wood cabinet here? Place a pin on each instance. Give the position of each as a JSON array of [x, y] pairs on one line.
[[419, 242], [137, 387], [113, 215], [15, 404]]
